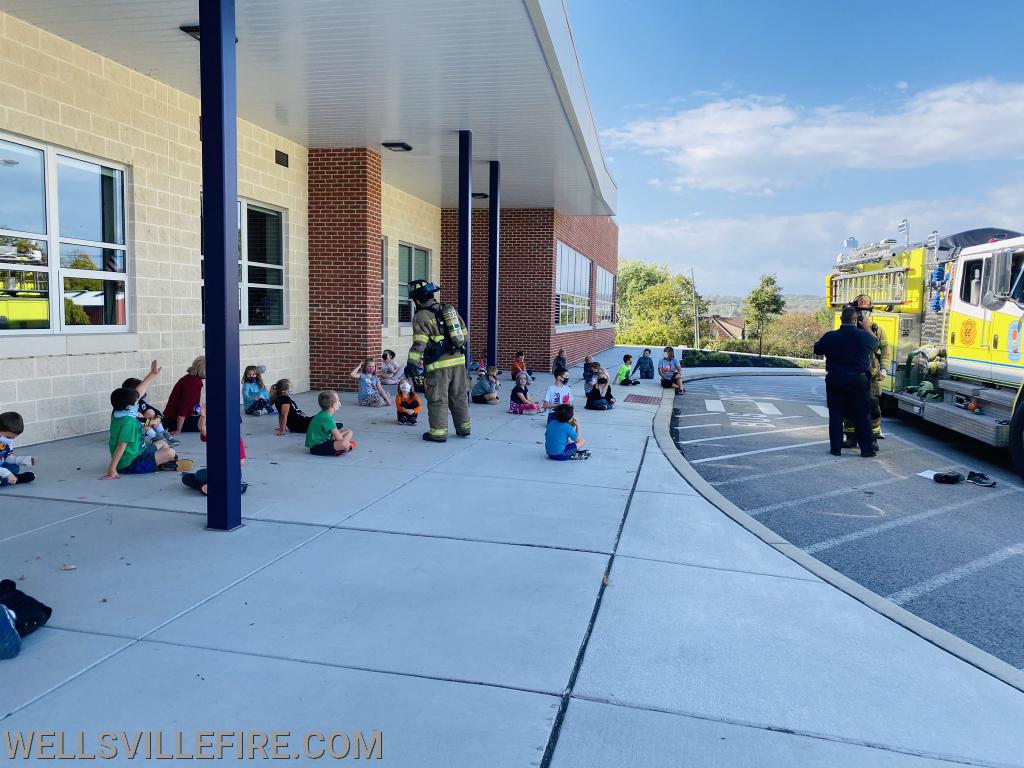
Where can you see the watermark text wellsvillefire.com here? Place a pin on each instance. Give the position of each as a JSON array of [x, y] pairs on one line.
[[198, 745]]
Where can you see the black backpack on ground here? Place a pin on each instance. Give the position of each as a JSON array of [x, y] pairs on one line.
[[29, 613]]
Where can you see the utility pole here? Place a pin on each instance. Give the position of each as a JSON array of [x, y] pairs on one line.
[[696, 315]]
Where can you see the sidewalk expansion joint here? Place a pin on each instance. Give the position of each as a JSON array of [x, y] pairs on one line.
[[563, 705], [834, 738]]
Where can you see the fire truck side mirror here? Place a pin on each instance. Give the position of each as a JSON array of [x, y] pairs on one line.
[[999, 285]]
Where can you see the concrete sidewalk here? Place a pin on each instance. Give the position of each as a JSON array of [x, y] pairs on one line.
[[476, 603]]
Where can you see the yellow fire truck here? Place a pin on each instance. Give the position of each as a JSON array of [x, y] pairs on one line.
[[953, 311]]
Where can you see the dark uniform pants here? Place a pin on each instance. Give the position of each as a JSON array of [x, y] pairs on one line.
[[875, 410], [448, 390], [848, 396]]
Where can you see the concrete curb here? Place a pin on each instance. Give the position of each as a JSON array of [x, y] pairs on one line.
[[963, 650]]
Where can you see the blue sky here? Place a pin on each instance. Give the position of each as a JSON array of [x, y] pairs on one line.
[[748, 136]]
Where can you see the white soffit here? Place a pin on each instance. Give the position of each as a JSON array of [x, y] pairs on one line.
[[332, 73]]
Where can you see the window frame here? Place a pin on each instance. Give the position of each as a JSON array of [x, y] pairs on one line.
[[54, 271], [604, 302], [242, 208], [383, 281], [966, 280], [412, 276], [567, 287]]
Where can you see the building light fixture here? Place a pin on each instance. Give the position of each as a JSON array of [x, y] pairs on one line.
[[397, 146], [479, 195], [192, 30]]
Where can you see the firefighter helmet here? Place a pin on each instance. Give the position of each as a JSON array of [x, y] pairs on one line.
[[863, 302], [421, 291]]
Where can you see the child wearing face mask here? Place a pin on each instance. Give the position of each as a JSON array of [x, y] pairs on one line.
[[371, 393], [130, 454], [254, 394], [559, 392], [600, 398], [519, 401], [407, 403]]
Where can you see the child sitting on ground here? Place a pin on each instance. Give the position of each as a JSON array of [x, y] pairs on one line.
[[590, 369], [599, 398], [12, 468], [645, 365], [129, 452], [255, 397], [622, 376], [406, 403], [485, 390], [197, 480], [561, 437], [151, 418], [519, 401], [558, 393], [371, 393], [290, 418], [388, 368], [559, 361], [519, 366], [324, 437]]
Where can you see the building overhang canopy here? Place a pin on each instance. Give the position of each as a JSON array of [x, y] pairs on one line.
[[325, 73]]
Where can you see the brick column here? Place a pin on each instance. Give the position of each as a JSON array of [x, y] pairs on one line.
[[344, 263]]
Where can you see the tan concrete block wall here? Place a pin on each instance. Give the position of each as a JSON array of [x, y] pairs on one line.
[[406, 219], [56, 92]]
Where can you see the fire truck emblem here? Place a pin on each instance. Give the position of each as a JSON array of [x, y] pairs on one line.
[[1013, 349], [968, 332]]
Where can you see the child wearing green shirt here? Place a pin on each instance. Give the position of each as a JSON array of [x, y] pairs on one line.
[[622, 376], [129, 452], [325, 437]]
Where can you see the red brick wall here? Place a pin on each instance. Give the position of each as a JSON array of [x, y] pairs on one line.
[[344, 263], [526, 294]]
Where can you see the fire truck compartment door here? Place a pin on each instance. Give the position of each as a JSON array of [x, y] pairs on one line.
[[969, 335]]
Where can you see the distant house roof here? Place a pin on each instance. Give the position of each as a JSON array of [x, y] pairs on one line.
[[728, 327]]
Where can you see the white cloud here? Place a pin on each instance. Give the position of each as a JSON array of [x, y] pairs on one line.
[[756, 144], [730, 253]]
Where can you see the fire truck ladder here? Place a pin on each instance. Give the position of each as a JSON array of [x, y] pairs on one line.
[[884, 286]]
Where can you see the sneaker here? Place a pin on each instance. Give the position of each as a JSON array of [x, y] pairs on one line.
[[976, 478], [28, 477], [166, 437], [948, 478], [269, 410], [177, 465], [580, 456], [256, 412]]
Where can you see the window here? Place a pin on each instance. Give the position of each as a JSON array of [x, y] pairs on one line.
[[972, 270], [605, 304], [413, 264], [383, 281], [572, 292], [261, 270], [62, 226]]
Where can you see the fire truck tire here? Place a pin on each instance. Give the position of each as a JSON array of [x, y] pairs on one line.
[[1017, 438]]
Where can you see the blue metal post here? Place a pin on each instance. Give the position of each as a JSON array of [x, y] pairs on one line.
[[493, 252], [220, 250], [465, 228]]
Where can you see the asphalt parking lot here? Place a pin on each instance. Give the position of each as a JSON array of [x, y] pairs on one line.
[[953, 555]]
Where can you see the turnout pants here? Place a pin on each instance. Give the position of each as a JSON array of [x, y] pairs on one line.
[[448, 390], [848, 397]]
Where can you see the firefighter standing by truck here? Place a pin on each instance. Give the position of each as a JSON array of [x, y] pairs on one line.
[[439, 341], [880, 361]]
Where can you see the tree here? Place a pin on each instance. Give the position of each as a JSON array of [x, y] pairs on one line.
[[793, 334], [634, 278], [661, 314], [762, 304], [81, 261], [74, 314]]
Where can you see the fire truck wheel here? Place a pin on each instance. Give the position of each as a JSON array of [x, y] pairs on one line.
[[1017, 438]]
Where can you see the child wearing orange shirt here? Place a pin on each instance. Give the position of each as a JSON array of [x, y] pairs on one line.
[[407, 403]]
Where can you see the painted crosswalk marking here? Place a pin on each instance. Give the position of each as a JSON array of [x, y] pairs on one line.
[[767, 409], [714, 406], [821, 410]]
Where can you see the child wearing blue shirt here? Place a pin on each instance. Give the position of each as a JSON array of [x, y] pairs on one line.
[[255, 396], [561, 437]]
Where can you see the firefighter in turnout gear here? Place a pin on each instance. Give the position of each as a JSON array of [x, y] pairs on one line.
[[438, 340], [880, 361]]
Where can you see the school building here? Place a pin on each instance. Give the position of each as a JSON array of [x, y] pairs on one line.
[[378, 141]]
